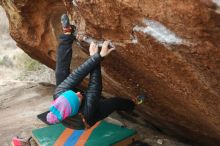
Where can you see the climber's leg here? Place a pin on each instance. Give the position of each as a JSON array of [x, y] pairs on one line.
[[93, 95], [64, 51], [107, 106]]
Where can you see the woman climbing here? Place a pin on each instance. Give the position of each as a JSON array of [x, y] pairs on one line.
[[81, 110]]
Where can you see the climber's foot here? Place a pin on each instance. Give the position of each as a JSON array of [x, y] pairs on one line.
[[65, 20], [67, 28], [138, 99]]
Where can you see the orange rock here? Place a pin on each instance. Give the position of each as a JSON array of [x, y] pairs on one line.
[[182, 78]]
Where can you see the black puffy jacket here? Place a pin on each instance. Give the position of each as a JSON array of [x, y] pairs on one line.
[[73, 80]]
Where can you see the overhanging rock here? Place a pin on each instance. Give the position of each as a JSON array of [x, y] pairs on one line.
[[166, 49]]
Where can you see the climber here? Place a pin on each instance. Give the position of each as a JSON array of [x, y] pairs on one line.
[[76, 109]]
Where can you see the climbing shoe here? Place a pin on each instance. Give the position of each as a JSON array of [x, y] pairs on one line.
[[68, 29], [65, 21], [138, 99]]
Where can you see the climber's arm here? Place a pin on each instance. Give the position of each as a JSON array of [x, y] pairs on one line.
[[75, 78]]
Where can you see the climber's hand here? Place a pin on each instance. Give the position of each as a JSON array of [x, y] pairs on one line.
[[105, 50], [93, 48]]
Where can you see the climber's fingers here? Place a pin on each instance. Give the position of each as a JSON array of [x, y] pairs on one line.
[[111, 49], [93, 48]]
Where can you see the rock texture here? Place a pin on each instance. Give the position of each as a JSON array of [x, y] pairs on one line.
[[166, 49]]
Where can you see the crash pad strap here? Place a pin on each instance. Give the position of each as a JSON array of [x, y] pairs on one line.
[[63, 137], [71, 141], [82, 140]]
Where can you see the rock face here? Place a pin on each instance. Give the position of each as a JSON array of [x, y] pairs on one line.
[[166, 49]]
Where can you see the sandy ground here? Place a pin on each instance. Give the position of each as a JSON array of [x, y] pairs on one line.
[[20, 103]]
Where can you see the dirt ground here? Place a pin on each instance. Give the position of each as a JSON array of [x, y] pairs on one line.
[[20, 103]]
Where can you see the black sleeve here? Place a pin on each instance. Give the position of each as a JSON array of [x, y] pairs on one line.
[[93, 95], [95, 82], [76, 77]]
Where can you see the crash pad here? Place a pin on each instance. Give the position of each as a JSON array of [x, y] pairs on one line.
[[102, 133]]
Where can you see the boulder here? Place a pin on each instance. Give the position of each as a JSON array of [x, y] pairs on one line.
[[167, 50]]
